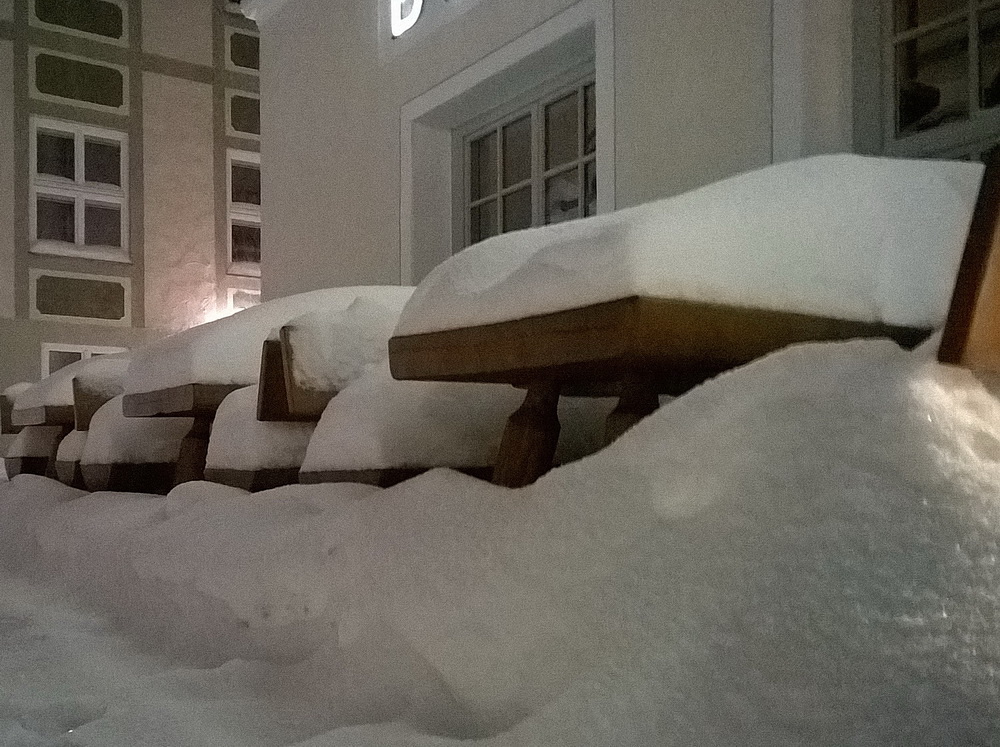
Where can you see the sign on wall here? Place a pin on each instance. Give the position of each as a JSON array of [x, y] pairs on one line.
[[403, 14]]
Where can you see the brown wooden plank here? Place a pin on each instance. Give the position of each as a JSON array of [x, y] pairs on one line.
[[46, 415], [69, 473], [530, 437], [150, 477], [303, 404], [272, 402], [87, 401], [253, 480], [187, 400], [972, 332], [7, 426]]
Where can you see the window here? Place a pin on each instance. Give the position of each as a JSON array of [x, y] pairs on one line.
[[100, 20], [68, 79], [534, 167], [243, 187], [943, 60], [242, 51], [78, 192], [243, 112], [78, 297], [56, 355], [242, 298]]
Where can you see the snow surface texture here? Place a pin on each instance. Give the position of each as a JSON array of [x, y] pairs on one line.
[[57, 389], [378, 423], [116, 439], [71, 447], [332, 348], [13, 390], [227, 351], [801, 551], [845, 236], [35, 441], [240, 441]]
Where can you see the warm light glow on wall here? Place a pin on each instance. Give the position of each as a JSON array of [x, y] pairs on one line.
[[400, 24]]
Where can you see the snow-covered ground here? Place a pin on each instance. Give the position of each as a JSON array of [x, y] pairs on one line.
[[802, 551]]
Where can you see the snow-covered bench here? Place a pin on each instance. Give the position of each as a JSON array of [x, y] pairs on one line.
[[657, 298]]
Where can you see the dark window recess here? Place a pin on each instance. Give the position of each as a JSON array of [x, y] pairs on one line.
[[62, 358], [92, 16], [246, 184], [102, 225], [54, 219], [55, 155], [246, 243], [80, 297], [244, 114], [244, 51], [81, 81], [102, 162]]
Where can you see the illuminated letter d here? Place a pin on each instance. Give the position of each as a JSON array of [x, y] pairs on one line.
[[398, 23]]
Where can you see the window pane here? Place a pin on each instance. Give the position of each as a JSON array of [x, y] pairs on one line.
[[483, 221], [244, 114], [246, 242], [562, 197], [102, 225], [55, 155], [62, 358], [932, 73], [913, 13], [93, 16], [589, 119], [590, 187], [989, 58], [517, 210], [83, 81], [483, 157], [517, 151], [102, 162], [244, 51], [82, 297], [55, 219], [246, 183], [561, 131]]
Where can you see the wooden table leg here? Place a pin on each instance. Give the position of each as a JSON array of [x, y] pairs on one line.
[[194, 450], [638, 399], [530, 438]]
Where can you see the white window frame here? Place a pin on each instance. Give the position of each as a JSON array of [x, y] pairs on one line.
[[240, 213], [230, 130], [531, 104], [86, 351], [78, 190], [230, 65], [122, 41], [231, 296], [33, 91], [34, 273]]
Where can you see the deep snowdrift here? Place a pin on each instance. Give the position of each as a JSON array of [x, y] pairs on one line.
[[802, 551]]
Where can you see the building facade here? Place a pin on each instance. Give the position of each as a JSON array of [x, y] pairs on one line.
[[129, 174]]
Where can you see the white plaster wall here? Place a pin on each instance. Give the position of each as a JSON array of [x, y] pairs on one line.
[[180, 29], [179, 202], [6, 180]]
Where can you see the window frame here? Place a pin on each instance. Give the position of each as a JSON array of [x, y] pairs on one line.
[[35, 272], [240, 213], [38, 95], [232, 66], [87, 351], [531, 103], [122, 41], [231, 296], [230, 130], [80, 191]]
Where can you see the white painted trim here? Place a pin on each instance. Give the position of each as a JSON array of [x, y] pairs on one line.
[[597, 12], [261, 10], [230, 130], [34, 273], [788, 28], [231, 293], [122, 41], [230, 65], [86, 351], [33, 92]]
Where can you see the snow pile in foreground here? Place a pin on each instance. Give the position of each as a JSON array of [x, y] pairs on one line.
[[802, 551], [846, 236], [240, 441], [57, 389], [116, 439], [378, 423], [227, 351]]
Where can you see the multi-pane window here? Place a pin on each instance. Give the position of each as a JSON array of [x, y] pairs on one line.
[[535, 167], [57, 355], [244, 212], [78, 191], [944, 58]]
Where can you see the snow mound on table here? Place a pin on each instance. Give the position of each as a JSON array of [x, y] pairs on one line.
[[332, 348], [71, 447], [57, 389], [846, 236], [11, 392], [227, 351], [379, 423], [240, 441], [799, 551], [116, 439]]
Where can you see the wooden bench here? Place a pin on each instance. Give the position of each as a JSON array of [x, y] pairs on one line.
[[280, 398]]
